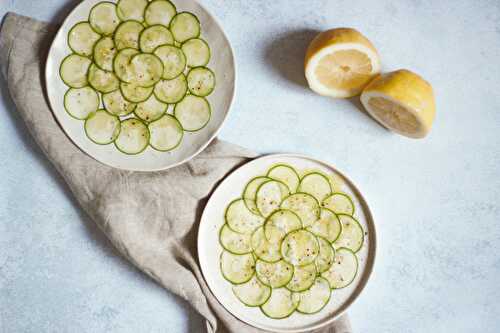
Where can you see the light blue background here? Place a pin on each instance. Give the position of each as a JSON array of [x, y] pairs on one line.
[[436, 201]]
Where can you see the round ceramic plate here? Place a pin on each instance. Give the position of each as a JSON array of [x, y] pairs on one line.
[[221, 62], [209, 248]]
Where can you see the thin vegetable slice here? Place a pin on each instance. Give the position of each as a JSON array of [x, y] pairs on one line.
[[103, 18], [352, 235], [134, 93], [286, 174], [193, 113], [81, 102], [201, 81], [127, 35], [171, 91], [340, 203], [154, 36], [269, 196], [104, 53], [303, 277], [196, 51], [131, 9], [74, 70], [159, 12], [343, 270], [325, 257], [166, 133], [82, 38], [102, 128], [250, 191], [122, 64], [185, 26], [280, 223], [237, 268], [252, 293], [133, 137], [300, 247], [173, 59], [263, 248], [116, 104], [316, 184], [315, 298], [102, 81], [304, 205], [147, 69], [281, 304], [274, 274], [151, 109], [234, 242], [241, 219], [328, 225]]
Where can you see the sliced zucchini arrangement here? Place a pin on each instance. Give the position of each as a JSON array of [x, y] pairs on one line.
[[288, 241], [137, 75]]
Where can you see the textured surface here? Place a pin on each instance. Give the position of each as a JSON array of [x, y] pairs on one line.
[[435, 201]]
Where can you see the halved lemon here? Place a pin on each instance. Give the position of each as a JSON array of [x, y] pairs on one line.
[[402, 101], [340, 63]]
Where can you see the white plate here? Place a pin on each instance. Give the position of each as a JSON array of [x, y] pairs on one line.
[[209, 248], [222, 63]]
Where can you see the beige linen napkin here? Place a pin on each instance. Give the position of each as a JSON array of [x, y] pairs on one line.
[[151, 218]]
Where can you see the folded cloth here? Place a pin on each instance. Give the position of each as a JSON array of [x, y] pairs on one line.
[[150, 217]]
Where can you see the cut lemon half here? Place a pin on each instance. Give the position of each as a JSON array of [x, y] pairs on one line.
[[402, 101], [340, 63]]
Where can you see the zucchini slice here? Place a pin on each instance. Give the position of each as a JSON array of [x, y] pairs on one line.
[[269, 196], [159, 12], [131, 9], [250, 190], [166, 133], [234, 242], [103, 18], [133, 137], [81, 102], [147, 69], [325, 257], [252, 293], [237, 268], [193, 113], [173, 59], [104, 53], [304, 205], [315, 298], [343, 270], [281, 304], [303, 277], [197, 52], [102, 81], [286, 174], [154, 36], [151, 109], [74, 69], [316, 184], [127, 35], [101, 127], [300, 247], [240, 219], [201, 81], [82, 38], [280, 223], [274, 274], [263, 248], [340, 203], [116, 104], [134, 93], [122, 66], [352, 235], [171, 91], [185, 26], [328, 225]]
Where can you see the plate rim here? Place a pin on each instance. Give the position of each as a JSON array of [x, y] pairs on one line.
[[371, 259], [186, 159]]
